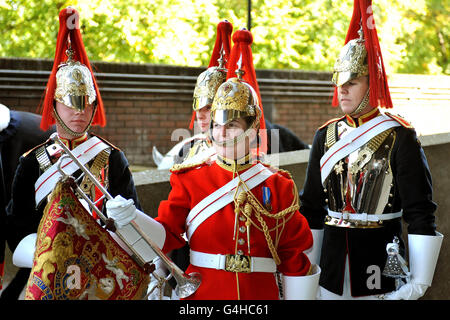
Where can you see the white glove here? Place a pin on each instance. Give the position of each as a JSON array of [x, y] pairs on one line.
[[24, 254], [121, 210], [313, 253], [423, 255], [302, 287], [409, 291]]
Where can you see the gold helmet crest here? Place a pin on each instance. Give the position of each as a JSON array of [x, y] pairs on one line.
[[206, 87], [74, 85], [235, 99], [352, 61]]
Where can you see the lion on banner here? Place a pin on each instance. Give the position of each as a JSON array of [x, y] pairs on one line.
[[69, 265]]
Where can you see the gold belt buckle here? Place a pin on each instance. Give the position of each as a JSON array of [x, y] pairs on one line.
[[238, 263]]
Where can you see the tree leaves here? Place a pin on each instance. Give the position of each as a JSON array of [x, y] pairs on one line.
[[298, 34]]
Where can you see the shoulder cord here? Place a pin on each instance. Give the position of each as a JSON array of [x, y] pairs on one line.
[[253, 204]]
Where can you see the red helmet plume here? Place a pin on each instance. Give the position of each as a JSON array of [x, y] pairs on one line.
[[379, 89], [242, 54], [69, 35], [223, 42]]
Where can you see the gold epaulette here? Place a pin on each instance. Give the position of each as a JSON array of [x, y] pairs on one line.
[[331, 121], [34, 148], [285, 173], [400, 120], [183, 167], [106, 141]]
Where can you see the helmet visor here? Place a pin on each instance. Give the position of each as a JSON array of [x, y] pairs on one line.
[[222, 117], [200, 102]]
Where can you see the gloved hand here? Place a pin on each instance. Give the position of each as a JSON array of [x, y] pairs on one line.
[[409, 291], [423, 254], [121, 210]]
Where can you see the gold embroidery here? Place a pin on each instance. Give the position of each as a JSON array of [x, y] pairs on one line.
[[61, 250], [238, 263]]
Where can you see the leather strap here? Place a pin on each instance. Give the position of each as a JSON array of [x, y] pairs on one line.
[[354, 140], [364, 216], [84, 152], [223, 196]]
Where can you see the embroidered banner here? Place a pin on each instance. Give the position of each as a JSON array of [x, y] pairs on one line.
[[76, 259]]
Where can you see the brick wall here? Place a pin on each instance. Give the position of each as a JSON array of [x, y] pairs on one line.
[[146, 103], [303, 118], [137, 125], [138, 121]]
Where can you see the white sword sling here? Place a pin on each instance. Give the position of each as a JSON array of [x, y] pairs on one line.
[[84, 153], [350, 143], [353, 141], [223, 196], [211, 205]]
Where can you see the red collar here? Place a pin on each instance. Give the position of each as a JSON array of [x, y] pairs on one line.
[[362, 119], [72, 144]]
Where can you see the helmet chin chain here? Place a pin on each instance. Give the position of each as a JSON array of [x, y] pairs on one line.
[[70, 131], [364, 103]]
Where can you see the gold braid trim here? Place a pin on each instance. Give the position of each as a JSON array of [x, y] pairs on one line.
[[179, 167], [100, 161], [253, 203], [331, 135], [376, 142]]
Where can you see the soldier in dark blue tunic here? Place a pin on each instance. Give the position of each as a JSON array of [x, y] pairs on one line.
[[74, 104], [367, 171]]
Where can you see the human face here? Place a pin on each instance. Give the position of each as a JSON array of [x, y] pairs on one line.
[[204, 117], [351, 93], [75, 120], [228, 132]]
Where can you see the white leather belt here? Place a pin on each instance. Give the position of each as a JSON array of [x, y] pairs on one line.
[[233, 263], [365, 217]]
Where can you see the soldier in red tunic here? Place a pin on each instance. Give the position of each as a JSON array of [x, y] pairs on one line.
[[241, 216], [72, 102]]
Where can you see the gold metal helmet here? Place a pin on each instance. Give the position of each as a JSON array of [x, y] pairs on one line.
[[207, 84], [352, 61], [74, 85], [235, 99]]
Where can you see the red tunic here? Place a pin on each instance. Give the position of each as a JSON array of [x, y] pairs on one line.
[[215, 234]]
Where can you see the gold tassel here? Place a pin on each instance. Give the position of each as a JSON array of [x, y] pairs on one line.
[[248, 213], [237, 203]]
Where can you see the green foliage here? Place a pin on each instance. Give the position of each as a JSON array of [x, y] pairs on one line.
[[297, 34]]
